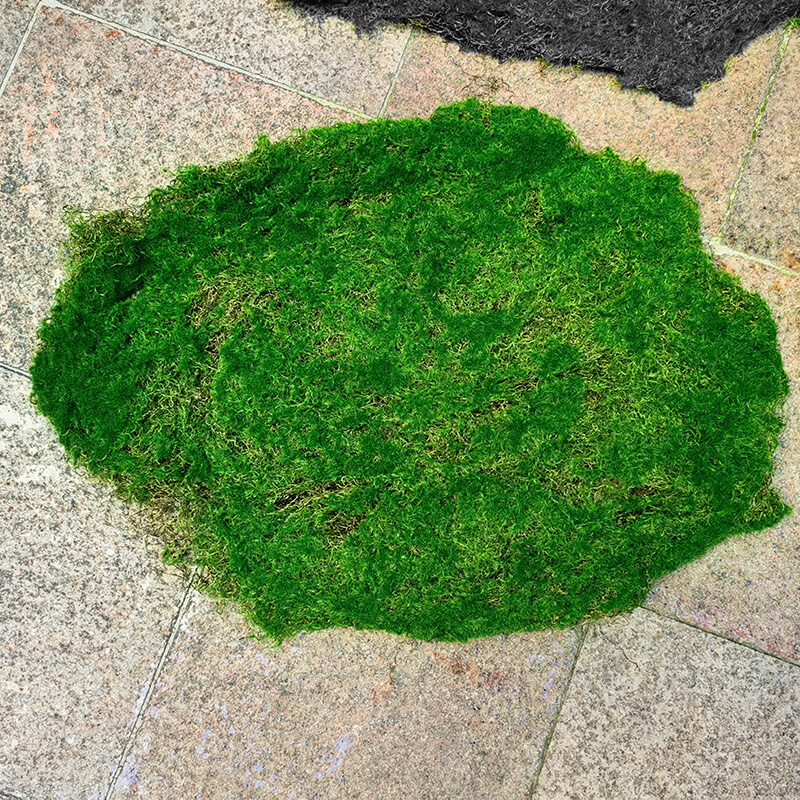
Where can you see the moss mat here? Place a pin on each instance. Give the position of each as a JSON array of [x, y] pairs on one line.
[[446, 378]]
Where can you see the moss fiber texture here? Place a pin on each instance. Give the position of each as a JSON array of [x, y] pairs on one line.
[[445, 378], [669, 46]]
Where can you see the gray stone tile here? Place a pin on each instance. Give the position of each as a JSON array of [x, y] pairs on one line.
[[765, 216], [14, 18], [658, 710], [748, 587], [346, 714], [273, 39], [93, 118], [86, 611]]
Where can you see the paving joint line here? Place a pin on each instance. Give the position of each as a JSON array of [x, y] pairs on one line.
[[207, 59], [751, 144], [722, 636], [20, 47], [400, 66], [723, 250], [151, 687], [560, 706], [23, 373]]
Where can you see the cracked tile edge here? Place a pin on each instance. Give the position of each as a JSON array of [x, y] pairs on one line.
[[22, 373], [718, 635], [787, 34], [557, 716], [20, 47], [400, 65], [718, 249], [145, 704], [205, 58]]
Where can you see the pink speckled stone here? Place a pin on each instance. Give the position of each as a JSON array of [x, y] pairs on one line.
[[273, 39], [705, 144], [765, 216], [748, 587], [93, 118], [346, 714]]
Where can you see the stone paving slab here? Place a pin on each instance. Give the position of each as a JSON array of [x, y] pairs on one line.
[[85, 614], [657, 710], [14, 18], [748, 587], [765, 216], [92, 117], [275, 40], [346, 714], [704, 144]]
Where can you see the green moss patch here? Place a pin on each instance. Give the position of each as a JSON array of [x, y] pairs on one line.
[[446, 378]]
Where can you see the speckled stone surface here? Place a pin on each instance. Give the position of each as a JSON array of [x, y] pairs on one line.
[[85, 614], [346, 714], [657, 710], [704, 144], [14, 18], [273, 39], [92, 118], [748, 587], [765, 216]]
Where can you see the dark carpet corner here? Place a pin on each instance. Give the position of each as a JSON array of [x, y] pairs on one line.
[[671, 47]]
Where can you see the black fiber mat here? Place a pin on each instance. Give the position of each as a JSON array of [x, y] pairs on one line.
[[668, 46]]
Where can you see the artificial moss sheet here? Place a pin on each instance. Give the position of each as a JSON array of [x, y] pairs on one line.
[[671, 47], [446, 378]]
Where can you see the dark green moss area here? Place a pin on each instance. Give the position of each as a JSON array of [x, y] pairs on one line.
[[446, 378]]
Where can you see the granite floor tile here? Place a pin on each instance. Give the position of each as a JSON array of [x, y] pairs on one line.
[[765, 215], [271, 38], [86, 611], [92, 118], [657, 710], [705, 144], [14, 18], [748, 587], [346, 714]]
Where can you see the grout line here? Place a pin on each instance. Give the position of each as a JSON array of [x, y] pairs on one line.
[[205, 58], [396, 74], [139, 720], [754, 134], [722, 636], [558, 713], [23, 373], [723, 250], [20, 47]]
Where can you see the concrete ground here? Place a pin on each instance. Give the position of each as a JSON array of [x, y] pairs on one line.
[[118, 679]]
